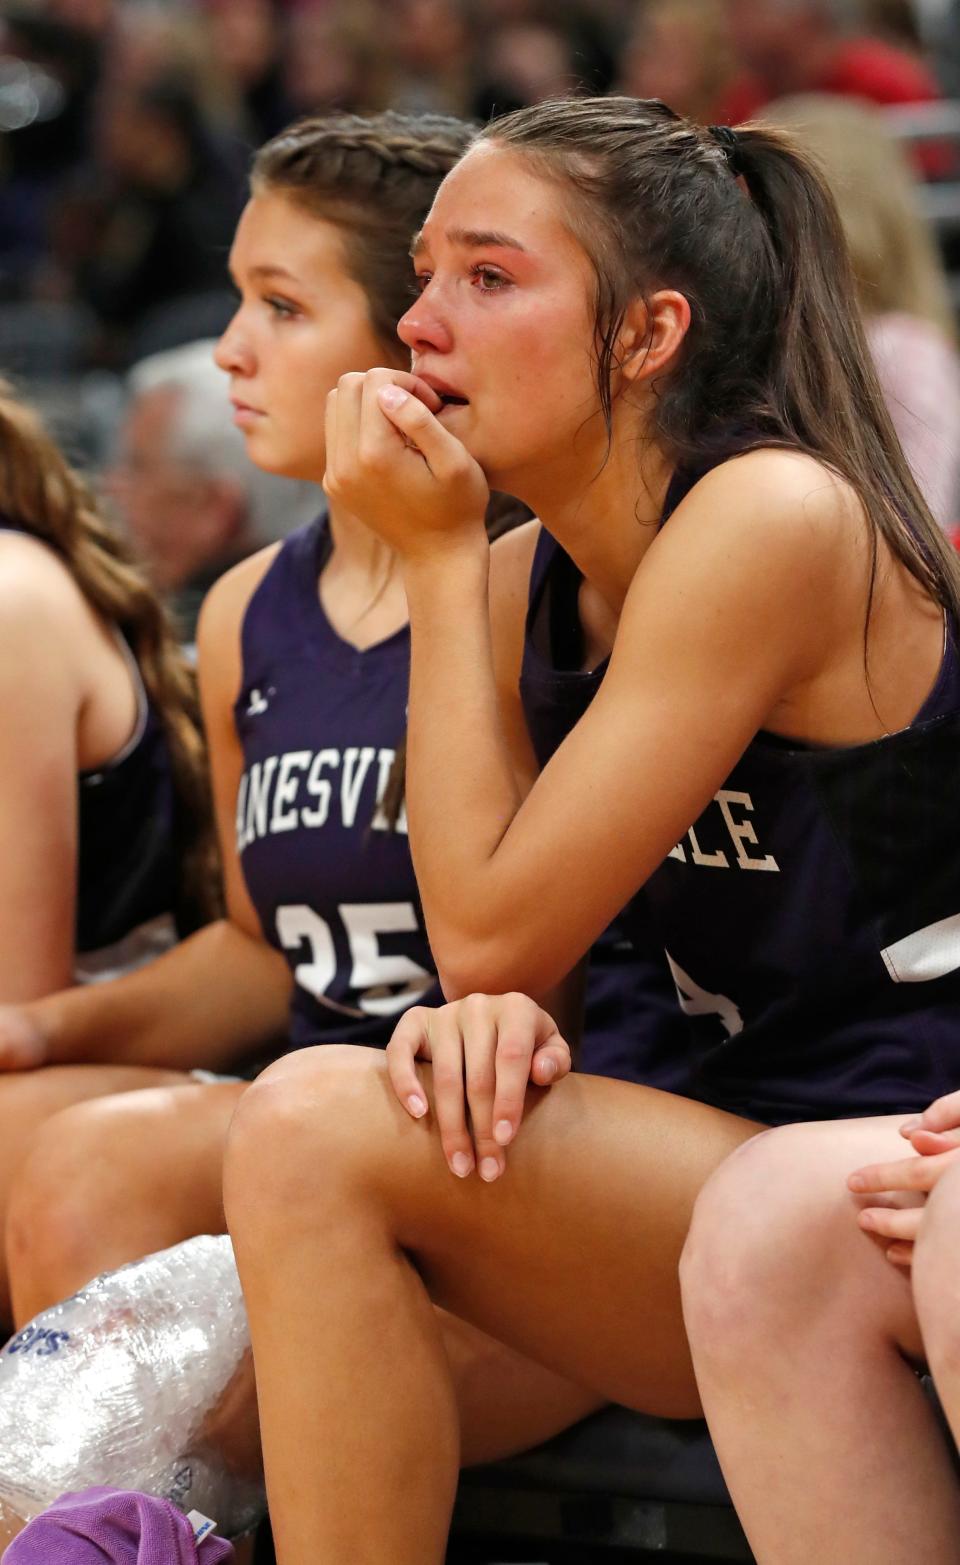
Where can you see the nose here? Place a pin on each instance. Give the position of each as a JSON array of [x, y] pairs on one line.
[[422, 329], [232, 352]]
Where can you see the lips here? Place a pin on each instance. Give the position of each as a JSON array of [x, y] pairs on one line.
[[449, 395], [244, 415]]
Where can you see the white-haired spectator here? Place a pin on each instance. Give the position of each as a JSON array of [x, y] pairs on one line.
[[193, 501]]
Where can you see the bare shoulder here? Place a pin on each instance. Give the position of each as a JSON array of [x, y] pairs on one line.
[[218, 628], [36, 586], [226, 602], [777, 517], [512, 553], [771, 545], [782, 492]]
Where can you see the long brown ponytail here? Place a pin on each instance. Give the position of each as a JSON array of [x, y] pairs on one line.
[[41, 493], [775, 352]]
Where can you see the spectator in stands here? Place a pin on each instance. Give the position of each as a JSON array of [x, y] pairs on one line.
[[902, 287], [896, 21], [158, 40], [682, 51], [650, 332], [431, 49], [246, 40], [61, 66], [336, 57], [794, 46], [105, 848], [191, 498], [525, 52], [524, 63], [152, 221]]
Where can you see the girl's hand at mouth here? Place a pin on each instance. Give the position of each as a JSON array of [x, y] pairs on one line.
[[391, 463]]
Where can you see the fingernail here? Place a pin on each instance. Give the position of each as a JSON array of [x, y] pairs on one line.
[[548, 1069], [461, 1163], [910, 1125], [416, 1106], [866, 1220], [392, 397], [855, 1182], [503, 1132], [489, 1169]]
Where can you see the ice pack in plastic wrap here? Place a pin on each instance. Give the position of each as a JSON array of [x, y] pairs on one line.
[[141, 1381]]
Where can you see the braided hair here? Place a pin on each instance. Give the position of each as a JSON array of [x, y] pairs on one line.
[[41, 493], [375, 179]]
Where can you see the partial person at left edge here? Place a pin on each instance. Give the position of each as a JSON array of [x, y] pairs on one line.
[[106, 846]]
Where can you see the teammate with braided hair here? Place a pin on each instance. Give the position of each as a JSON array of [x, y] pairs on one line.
[[304, 664]]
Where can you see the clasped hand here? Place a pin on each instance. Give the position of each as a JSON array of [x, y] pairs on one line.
[[391, 463], [486, 1050], [935, 1137]]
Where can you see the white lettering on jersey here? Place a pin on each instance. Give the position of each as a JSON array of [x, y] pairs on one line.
[[258, 797], [716, 860], [319, 787], [242, 814], [739, 832], [385, 760], [742, 831], [356, 764], [383, 984], [286, 790], [375, 975], [695, 1001], [300, 788]]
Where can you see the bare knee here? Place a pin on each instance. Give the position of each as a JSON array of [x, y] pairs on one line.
[[764, 1233], [60, 1199], [306, 1130], [92, 1179]]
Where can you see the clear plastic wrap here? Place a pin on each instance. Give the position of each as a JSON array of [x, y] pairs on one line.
[[141, 1381]]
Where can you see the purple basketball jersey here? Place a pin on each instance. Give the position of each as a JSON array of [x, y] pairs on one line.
[[127, 832], [333, 886], [811, 916]]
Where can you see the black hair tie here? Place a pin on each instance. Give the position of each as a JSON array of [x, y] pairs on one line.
[[729, 143]]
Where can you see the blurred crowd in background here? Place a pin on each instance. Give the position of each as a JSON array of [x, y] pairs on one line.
[[126, 128]]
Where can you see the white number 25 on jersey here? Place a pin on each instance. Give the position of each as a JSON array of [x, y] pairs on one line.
[[384, 985]]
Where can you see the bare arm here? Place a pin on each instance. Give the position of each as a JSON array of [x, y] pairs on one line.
[[516, 889], [41, 693], [224, 990]]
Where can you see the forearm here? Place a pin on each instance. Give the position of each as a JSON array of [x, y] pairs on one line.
[[206, 1003], [462, 791]]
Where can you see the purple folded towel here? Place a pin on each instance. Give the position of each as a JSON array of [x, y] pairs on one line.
[[113, 1527]]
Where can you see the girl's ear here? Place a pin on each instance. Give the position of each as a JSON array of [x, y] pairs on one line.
[[653, 330]]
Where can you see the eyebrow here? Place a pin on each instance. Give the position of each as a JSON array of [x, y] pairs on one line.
[[472, 239], [262, 272], [272, 271]]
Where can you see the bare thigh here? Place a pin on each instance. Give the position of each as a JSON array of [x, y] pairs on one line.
[[111, 1180], [29, 1098], [570, 1258]]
